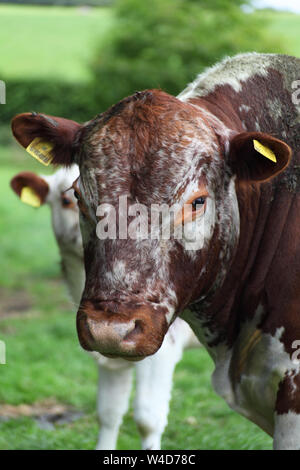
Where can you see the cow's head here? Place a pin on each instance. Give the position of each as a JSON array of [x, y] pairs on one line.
[[152, 149]]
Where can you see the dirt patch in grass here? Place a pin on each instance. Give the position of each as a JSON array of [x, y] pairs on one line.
[[47, 413], [14, 303]]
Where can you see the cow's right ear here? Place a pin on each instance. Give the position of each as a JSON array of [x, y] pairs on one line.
[[257, 157], [31, 188], [49, 139]]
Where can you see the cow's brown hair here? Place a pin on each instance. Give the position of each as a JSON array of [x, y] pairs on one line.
[[141, 122]]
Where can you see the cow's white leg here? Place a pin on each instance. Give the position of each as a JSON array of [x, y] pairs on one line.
[[113, 398], [154, 376], [287, 431], [153, 393]]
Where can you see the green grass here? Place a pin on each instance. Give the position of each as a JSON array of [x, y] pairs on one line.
[[31, 42]]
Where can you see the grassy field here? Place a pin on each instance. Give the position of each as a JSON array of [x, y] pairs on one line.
[[287, 27], [31, 42], [44, 361]]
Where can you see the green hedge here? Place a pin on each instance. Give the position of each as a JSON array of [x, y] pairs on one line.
[[166, 43], [73, 101]]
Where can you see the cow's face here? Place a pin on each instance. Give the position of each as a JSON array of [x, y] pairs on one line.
[[151, 149]]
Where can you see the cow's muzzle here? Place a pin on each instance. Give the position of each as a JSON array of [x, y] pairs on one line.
[[130, 332]]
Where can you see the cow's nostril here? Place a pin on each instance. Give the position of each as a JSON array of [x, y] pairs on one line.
[[136, 330]]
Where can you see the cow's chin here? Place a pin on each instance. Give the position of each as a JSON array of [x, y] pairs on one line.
[[118, 336], [127, 358]]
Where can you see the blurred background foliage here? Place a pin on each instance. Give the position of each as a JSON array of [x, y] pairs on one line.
[[166, 43], [128, 46]]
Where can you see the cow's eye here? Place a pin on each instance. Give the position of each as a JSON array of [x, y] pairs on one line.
[[198, 204], [199, 201], [66, 201]]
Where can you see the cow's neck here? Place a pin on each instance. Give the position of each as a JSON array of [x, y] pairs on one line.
[[235, 296], [220, 312]]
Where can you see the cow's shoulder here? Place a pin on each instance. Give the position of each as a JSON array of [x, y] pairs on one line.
[[234, 71]]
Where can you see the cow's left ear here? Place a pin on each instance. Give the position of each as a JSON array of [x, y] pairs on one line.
[[49, 139], [32, 189], [255, 156]]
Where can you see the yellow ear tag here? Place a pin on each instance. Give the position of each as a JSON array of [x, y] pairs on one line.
[[41, 150], [265, 151], [28, 196]]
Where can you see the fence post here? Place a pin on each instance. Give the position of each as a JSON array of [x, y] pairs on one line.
[[2, 352], [2, 92]]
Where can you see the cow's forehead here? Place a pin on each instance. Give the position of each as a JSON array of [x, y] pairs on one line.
[[146, 147]]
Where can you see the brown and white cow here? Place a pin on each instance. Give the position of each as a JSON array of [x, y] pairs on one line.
[[241, 280]]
